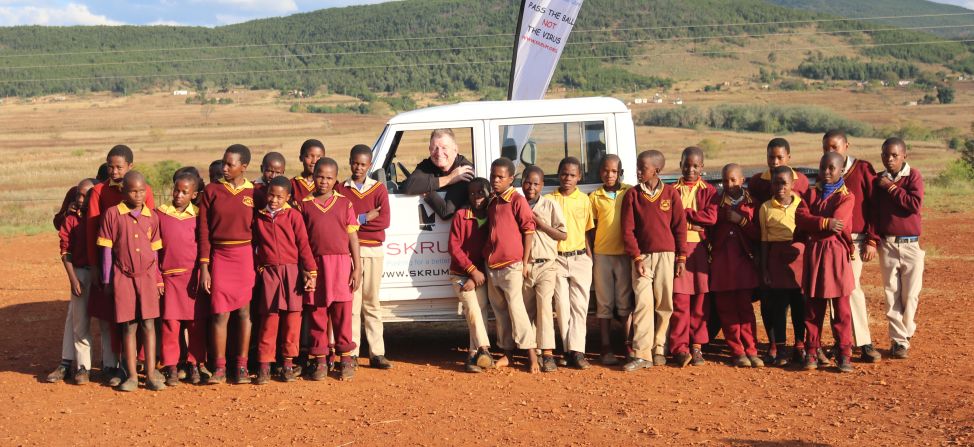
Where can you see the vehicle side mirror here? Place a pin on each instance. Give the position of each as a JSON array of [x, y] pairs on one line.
[[529, 153]]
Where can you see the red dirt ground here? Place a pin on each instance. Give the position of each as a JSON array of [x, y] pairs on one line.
[[427, 400]]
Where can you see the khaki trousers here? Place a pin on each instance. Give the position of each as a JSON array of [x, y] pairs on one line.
[[612, 276], [505, 288], [902, 268], [539, 293], [365, 303], [473, 305], [653, 304], [571, 300], [857, 299], [76, 341]]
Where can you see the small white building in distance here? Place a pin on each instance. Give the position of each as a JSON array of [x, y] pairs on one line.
[[180, 93]]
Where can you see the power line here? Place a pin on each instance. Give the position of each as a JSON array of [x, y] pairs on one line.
[[468, 36], [480, 62], [351, 53]]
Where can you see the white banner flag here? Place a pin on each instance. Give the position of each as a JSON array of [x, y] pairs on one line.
[[543, 32]]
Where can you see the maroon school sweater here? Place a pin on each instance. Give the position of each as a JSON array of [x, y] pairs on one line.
[[178, 233], [467, 239], [654, 224], [329, 222], [373, 232], [72, 236], [509, 217], [896, 211], [282, 239], [226, 216]]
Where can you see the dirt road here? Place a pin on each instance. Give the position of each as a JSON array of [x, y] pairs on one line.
[[427, 400]]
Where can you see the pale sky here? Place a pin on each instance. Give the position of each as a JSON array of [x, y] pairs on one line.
[[179, 12]]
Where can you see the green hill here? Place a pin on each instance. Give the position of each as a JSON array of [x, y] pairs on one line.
[[440, 46], [963, 25]]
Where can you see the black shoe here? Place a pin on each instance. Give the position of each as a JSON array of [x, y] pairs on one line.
[[659, 360], [899, 351], [637, 364], [563, 360], [318, 370], [579, 362], [347, 366], [81, 376], [470, 366], [118, 375], [263, 375], [57, 375], [845, 364], [823, 358], [154, 380], [242, 376], [172, 376], [289, 374], [219, 376], [781, 360], [193, 375], [798, 355], [870, 355], [682, 359], [696, 358], [608, 359], [379, 362], [548, 364], [811, 362]]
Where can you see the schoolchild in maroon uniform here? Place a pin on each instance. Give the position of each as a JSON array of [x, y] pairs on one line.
[[182, 308], [333, 236], [733, 268], [76, 340], [272, 165], [897, 220], [69, 204], [828, 279], [303, 185], [226, 216], [858, 176], [370, 201], [103, 197], [468, 235], [654, 231], [782, 265], [779, 154], [192, 171], [281, 241], [129, 237], [691, 305]]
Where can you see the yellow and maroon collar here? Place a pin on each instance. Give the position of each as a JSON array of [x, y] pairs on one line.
[[124, 209], [234, 189], [507, 195], [698, 184], [652, 195], [310, 186], [327, 206], [369, 185], [190, 212]]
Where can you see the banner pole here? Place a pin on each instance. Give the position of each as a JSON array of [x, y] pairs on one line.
[[517, 41]]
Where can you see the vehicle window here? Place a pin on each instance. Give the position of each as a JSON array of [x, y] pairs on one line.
[[410, 147], [546, 144]]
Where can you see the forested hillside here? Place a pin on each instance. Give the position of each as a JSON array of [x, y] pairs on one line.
[[411, 46], [960, 19]]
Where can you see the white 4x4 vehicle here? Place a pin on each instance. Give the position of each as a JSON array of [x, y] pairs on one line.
[[416, 282]]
